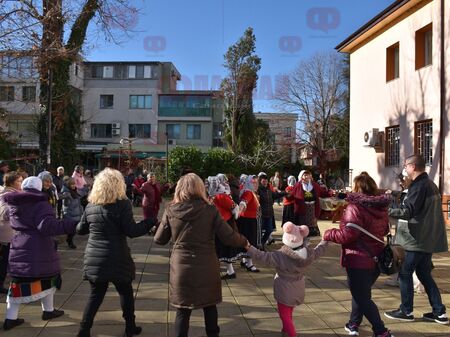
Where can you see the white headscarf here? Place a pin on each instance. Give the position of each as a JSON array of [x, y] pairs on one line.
[[214, 186], [32, 183], [242, 178], [306, 186], [291, 181], [224, 182], [248, 184]]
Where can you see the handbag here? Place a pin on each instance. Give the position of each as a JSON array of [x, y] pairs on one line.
[[390, 260]]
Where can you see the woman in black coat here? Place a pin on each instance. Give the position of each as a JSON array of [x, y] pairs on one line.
[[108, 219]]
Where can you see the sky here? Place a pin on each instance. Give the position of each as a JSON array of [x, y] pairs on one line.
[[194, 36]]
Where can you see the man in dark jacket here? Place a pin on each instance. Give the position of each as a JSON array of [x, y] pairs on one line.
[[423, 234]]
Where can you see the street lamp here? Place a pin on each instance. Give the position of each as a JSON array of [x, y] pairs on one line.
[[167, 156], [129, 141]]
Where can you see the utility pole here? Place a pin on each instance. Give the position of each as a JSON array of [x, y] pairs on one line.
[[49, 109]]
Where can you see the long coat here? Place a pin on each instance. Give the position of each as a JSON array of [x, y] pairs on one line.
[[194, 268], [33, 250], [370, 213], [71, 207], [107, 257], [289, 281]]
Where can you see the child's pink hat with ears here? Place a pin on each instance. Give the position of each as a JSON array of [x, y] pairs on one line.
[[293, 235]]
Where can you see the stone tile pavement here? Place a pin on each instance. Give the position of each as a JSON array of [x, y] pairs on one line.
[[248, 307]]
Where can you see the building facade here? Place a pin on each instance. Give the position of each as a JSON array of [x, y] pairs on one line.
[[399, 101], [129, 109], [283, 128]]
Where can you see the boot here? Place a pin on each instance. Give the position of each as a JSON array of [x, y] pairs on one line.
[[131, 329], [85, 329], [12, 323], [84, 333]]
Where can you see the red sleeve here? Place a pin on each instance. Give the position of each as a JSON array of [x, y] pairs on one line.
[[345, 235], [247, 197]]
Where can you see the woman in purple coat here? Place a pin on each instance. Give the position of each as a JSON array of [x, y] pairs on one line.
[[33, 259]]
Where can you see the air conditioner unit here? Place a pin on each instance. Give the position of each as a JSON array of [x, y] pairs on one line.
[[172, 142], [372, 138], [116, 132], [116, 125]]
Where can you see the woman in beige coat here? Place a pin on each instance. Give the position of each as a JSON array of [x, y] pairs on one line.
[[192, 223]]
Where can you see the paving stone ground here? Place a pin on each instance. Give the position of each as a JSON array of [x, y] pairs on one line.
[[248, 307]]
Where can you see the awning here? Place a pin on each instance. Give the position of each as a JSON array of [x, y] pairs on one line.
[[139, 155]]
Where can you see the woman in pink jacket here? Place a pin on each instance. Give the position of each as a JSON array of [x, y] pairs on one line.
[[368, 210]]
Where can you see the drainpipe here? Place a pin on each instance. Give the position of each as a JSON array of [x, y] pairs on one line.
[[442, 133]]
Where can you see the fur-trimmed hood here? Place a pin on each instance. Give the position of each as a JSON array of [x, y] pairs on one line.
[[381, 201]]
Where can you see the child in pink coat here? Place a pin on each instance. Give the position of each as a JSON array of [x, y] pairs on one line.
[[290, 261]]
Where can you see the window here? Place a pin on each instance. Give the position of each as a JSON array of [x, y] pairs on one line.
[[423, 140], [139, 130], [6, 93], [392, 146], [173, 131], [29, 94], [131, 71], [108, 71], [287, 131], [393, 62], [96, 72], [424, 46], [106, 101], [101, 131], [193, 131], [23, 130], [140, 101], [147, 72], [17, 67]]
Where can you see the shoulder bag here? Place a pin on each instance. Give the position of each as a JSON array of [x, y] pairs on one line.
[[390, 259]]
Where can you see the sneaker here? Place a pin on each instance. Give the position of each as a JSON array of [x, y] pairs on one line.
[[429, 316], [352, 329], [387, 333], [399, 315]]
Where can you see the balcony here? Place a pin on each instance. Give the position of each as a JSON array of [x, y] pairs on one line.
[[184, 106]]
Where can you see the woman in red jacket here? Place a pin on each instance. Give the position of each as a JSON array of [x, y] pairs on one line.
[[368, 210], [247, 222]]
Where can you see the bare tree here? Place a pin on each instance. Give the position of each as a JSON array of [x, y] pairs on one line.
[[53, 33], [316, 90]]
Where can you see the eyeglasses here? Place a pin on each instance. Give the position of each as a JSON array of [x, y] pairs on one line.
[[406, 164]]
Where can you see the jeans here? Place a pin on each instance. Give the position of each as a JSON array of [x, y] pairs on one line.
[[182, 321], [421, 263], [360, 282], [98, 291], [267, 229]]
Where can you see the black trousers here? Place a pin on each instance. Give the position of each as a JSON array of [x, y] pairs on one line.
[[182, 322], [4, 256], [98, 291], [360, 282]]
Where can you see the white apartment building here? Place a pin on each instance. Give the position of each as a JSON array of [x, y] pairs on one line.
[[399, 101]]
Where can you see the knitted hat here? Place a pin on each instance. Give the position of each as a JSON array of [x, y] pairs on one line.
[[32, 183], [293, 235]]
